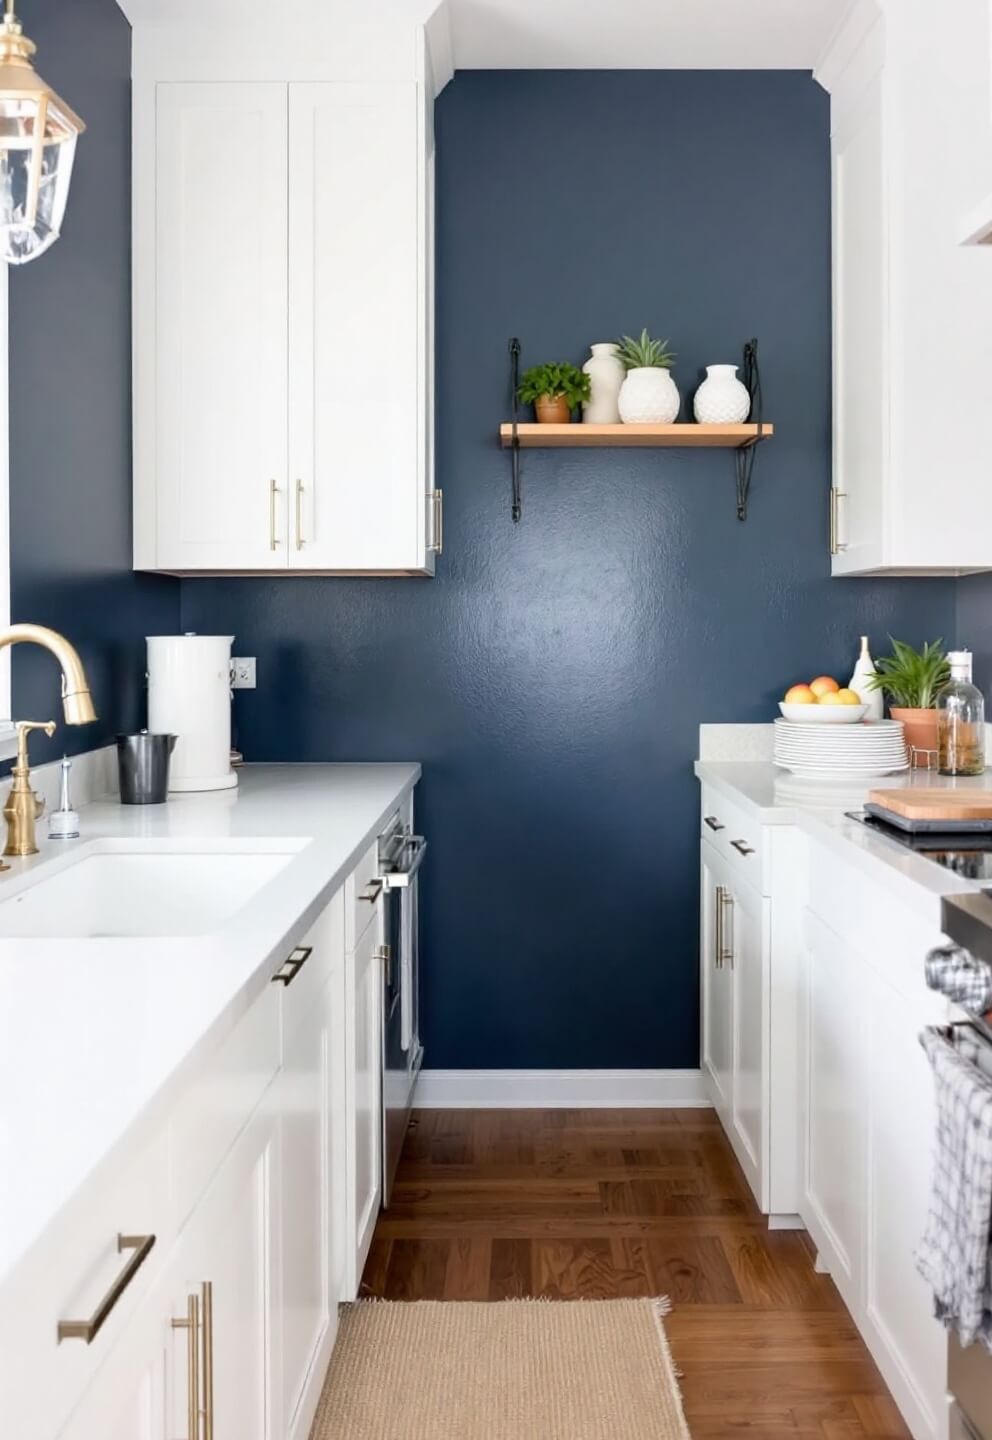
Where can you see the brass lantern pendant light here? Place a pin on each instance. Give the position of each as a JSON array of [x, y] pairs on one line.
[[37, 147]]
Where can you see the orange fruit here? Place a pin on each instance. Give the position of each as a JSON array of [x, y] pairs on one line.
[[822, 684], [800, 695]]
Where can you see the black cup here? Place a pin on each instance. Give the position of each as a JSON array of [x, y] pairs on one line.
[[143, 767]]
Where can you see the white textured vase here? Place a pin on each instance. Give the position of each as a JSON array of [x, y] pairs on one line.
[[649, 396], [606, 372], [722, 399]]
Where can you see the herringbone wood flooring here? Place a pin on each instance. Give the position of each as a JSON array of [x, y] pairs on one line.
[[605, 1203]]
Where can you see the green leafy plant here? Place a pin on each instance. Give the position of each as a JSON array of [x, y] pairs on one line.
[[553, 379], [912, 678], [645, 353]]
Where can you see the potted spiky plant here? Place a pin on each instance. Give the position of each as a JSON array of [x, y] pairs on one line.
[[911, 680], [554, 390], [649, 395]]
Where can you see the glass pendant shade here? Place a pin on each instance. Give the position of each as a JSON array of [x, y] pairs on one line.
[[37, 146]]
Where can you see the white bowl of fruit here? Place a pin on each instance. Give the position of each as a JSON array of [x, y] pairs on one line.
[[823, 702]]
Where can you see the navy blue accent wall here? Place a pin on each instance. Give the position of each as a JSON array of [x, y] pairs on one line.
[[553, 676], [70, 399]]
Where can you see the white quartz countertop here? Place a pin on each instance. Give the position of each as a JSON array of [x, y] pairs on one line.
[[777, 797], [96, 1033]]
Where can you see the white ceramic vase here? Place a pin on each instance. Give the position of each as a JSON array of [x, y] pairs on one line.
[[606, 372], [722, 399], [649, 396]]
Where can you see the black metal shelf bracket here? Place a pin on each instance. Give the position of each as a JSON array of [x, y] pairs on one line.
[[744, 455], [515, 438]]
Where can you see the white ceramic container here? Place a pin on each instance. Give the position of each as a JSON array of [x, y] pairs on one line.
[[859, 682], [722, 399], [823, 714], [649, 396], [606, 372], [189, 695]]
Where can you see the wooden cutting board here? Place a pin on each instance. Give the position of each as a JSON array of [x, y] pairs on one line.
[[935, 804]]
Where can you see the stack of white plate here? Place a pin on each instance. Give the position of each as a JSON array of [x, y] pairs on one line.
[[877, 747]]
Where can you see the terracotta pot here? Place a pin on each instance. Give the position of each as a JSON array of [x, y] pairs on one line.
[[552, 410], [921, 733]]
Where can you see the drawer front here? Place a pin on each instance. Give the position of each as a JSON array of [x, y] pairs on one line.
[[301, 979], [217, 1105], [77, 1273], [735, 835], [362, 891]]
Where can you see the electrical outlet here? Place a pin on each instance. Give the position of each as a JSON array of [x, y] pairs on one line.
[[243, 672]]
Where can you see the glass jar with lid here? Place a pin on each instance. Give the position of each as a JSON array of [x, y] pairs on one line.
[[961, 720]]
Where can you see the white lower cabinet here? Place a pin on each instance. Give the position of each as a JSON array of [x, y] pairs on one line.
[[869, 1126], [364, 1109], [311, 1103], [275, 1235], [735, 929], [717, 982]]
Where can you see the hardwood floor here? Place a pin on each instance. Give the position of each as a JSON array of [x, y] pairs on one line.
[[607, 1203]]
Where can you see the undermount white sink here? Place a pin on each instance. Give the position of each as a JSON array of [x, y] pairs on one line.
[[117, 890]]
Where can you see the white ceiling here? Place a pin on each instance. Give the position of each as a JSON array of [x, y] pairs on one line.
[[642, 34]]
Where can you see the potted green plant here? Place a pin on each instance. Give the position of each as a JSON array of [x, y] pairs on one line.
[[649, 395], [554, 390], [911, 680]]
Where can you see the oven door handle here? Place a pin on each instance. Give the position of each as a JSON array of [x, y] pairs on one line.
[[416, 846]]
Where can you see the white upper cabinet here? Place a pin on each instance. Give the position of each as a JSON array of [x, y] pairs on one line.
[[912, 346], [283, 301], [218, 410]]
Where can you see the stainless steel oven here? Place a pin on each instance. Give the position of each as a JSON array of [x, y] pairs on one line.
[[969, 1379], [400, 857]]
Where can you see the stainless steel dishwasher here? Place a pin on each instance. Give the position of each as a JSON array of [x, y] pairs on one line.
[[400, 857]]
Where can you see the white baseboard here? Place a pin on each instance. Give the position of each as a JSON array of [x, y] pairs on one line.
[[559, 1089]]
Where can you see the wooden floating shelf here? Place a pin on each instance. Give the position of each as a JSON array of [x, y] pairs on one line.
[[688, 437]]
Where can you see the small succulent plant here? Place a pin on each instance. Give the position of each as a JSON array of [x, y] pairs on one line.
[[554, 379], [912, 678], [645, 353]]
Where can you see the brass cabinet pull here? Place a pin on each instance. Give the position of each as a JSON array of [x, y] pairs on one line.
[[385, 954], [742, 847], [208, 1356], [437, 521], [300, 542], [292, 966], [89, 1329], [192, 1327], [836, 545], [713, 822], [718, 927], [273, 492], [726, 951], [374, 891]]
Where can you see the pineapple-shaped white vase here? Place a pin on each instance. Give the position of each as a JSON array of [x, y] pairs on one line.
[[649, 395]]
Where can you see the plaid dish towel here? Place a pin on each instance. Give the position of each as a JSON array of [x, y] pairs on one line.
[[954, 1254], [957, 974]]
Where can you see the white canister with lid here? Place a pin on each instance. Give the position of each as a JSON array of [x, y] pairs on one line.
[[189, 695]]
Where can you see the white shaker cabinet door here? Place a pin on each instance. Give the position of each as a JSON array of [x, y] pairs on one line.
[[833, 1187], [216, 396], [364, 1082], [228, 1264], [357, 377], [861, 350], [748, 929], [311, 1103], [716, 982], [909, 1344]]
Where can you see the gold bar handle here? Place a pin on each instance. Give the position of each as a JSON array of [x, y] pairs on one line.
[[192, 1327], [437, 521], [300, 542], [291, 967], [726, 951], [208, 1358], [836, 545], [273, 492], [718, 928], [89, 1329]]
